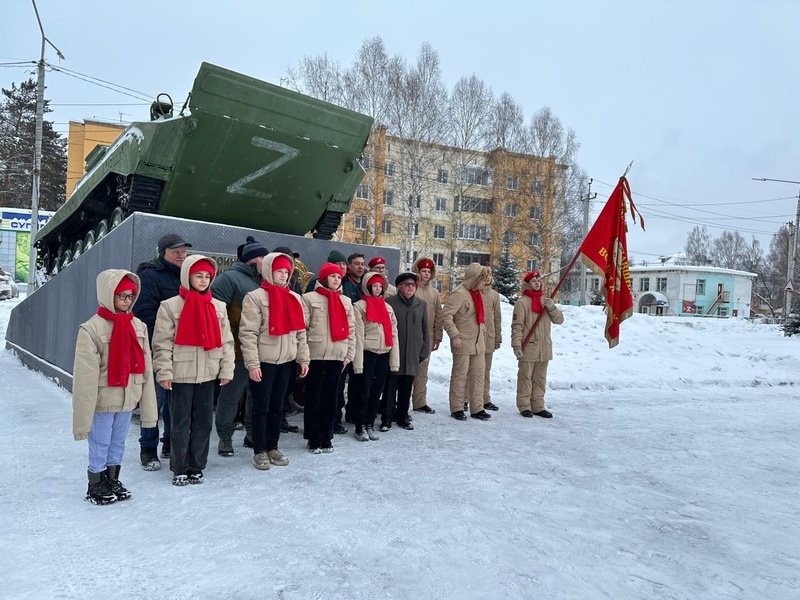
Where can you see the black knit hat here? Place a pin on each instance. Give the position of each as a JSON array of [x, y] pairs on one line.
[[253, 249]]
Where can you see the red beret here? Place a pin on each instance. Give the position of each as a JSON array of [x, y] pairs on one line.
[[425, 264], [531, 275], [378, 260], [204, 264], [125, 284], [282, 262]]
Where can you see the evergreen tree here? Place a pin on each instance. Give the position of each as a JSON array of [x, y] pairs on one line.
[[506, 277], [17, 143]]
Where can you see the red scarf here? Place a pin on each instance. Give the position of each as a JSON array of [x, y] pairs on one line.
[[337, 315], [198, 325], [536, 300], [125, 355], [477, 298], [377, 313], [285, 312]]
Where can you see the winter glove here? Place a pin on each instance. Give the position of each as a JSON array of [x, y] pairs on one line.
[[548, 303], [518, 353]]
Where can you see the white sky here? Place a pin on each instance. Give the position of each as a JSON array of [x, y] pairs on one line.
[[701, 95], [669, 472]]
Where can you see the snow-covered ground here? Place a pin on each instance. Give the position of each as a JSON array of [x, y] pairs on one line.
[[670, 471]]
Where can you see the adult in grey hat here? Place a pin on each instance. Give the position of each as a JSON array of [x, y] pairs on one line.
[[230, 287], [161, 280]]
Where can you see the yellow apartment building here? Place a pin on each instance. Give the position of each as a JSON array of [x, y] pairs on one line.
[[81, 140]]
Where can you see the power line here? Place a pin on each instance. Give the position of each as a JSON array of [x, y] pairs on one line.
[[101, 83]]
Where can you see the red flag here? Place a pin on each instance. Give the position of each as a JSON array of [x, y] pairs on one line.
[[605, 252]]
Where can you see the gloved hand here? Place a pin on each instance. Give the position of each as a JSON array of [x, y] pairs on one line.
[[518, 353], [548, 303]]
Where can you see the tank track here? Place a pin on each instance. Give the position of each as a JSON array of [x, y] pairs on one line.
[[327, 225], [140, 194]]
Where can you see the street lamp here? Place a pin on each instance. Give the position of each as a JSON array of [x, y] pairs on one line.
[[787, 303]]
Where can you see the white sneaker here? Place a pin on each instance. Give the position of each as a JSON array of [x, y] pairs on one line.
[[361, 435], [261, 461], [372, 435], [277, 459]]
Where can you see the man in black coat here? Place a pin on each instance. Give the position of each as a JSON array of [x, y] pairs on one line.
[[161, 280], [412, 336]]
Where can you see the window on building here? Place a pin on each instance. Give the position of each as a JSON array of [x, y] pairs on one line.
[[644, 284], [701, 287], [723, 311], [388, 169], [533, 239], [536, 213], [511, 210], [361, 222], [475, 175], [437, 284], [595, 284], [416, 230], [509, 237], [386, 227], [438, 259], [438, 232], [698, 310], [513, 184], [366, 162], [531, 265], [441, 204], [413, 256], [537, 187], [469, 231], [466, 258], [362, 192], [442, 176], [416, 172], [661, 284], [475, 205], [388, 198]]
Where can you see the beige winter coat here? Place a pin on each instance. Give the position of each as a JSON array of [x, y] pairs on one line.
[[190, 364], [258, 345], [90, 390], [540, 346], [318, 332], [494, 327], [458, 314], [370, 335], [433, 300]]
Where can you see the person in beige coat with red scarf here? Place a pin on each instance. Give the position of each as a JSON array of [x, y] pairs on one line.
[[272, 334], [112, 373], [534, 359], [463, 319], [192, 346], [494, 337], [426, 270]]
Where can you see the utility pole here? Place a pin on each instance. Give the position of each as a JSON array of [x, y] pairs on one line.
[[37, 154], [787, 299], [581, 269]]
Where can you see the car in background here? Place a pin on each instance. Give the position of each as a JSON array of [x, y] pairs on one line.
[[8, 287]]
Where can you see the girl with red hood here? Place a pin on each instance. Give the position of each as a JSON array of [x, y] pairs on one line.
[[111, 375], [192, 346]]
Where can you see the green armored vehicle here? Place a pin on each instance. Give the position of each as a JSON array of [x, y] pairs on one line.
[[247, 153]]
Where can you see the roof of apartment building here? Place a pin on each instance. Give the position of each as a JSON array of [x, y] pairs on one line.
[[690, 269]]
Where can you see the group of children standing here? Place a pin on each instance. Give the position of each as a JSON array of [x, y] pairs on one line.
[[323, 332]]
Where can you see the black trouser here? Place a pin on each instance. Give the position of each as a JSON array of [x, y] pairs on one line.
[[191, 408], [398, 398], [367, 388], [346, 378], [320, 409], [268, 395]]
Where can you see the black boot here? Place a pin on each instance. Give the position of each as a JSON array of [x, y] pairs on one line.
[[165, 447], [98, 491], [286, 428], [115, 485]]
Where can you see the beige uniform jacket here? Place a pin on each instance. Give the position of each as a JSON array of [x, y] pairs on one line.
[[459, 317], [540, 346], [90, 390], [258, 346], [433, 300], [370, 335], [190, 364], [494, 326], [318, 332]]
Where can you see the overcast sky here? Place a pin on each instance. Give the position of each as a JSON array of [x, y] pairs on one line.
[[701, 95]]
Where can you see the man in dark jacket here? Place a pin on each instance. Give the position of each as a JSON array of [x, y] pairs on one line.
[[412, 337], [161, 280], [231, 287]]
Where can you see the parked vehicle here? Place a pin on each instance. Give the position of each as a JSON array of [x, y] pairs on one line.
[[240, 152], [8, 287]]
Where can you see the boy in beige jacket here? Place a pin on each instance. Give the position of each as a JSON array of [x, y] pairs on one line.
[[112, 373], [272, 334], [193, 346]]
